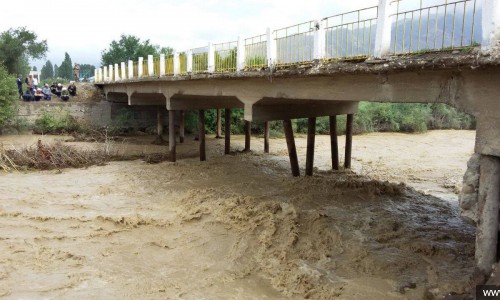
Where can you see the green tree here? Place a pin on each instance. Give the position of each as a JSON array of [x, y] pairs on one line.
[[56, 71], [8, 92], [47, 70], [66, 68], [18, 45], [34, 68], [86, 70], [130, 47]]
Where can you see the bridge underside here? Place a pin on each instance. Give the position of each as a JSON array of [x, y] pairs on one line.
[[472, 90]]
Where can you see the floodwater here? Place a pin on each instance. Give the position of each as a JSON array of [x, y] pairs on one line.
[[239, 226]]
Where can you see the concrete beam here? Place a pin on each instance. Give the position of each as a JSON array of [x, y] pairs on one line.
[[269, 109], [117, 97], [147, 99], [192, 102]]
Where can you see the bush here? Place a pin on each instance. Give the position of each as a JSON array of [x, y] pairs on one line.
[[371, 117], [8, 92], [57, 121], [123, 121]]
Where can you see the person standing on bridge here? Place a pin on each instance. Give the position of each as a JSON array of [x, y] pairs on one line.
[[76, 72]]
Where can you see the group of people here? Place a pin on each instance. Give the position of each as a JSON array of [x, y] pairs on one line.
[[35, 93]]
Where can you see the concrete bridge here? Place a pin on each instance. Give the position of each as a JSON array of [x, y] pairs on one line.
[[325, 67]]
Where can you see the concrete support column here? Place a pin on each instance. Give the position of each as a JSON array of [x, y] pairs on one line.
[[292, 151], [348, 141], [105, 78], [182, 122], [488, 205], [266, 137], [162, 64], [384, 26], [490, 25], [139, 67], [271, 48], [171, 135], [218, 134], [99, 75], [189, 61], [248, 133], [111, 73], [130, 69], [211, 58], [159, 121], [201, 130], [124, 71], [227, 131], [311, 136], [177, 64], [319, 41], [334, 143], [96, 78], [151, 67], [117, 73], [240, 55]]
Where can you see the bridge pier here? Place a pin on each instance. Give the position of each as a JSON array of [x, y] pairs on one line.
[[348, 141], [159, 121], [171, 135], [248, 131], [311, 135], [201, 125], [181, 126], [334, 143], [488, 209], [292, 151], [218, 134], [266, 137], [227, 131]]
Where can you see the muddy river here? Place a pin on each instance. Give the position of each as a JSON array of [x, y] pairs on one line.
[[239, 226]]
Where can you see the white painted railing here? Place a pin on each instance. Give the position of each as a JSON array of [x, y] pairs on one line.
[[391, 28]]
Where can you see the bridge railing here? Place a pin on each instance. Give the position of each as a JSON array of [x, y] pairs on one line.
[[225, 57], [169, 65], [295, 44], [351, 35], [393, 27], [200, 59], [256, 52], [443, 26]]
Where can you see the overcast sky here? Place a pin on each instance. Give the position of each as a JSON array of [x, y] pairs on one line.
[[85, 28]]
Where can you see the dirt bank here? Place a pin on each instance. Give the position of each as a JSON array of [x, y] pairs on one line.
[[239, 227]]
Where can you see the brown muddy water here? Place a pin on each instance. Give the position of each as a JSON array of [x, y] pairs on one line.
[[239, 226]]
